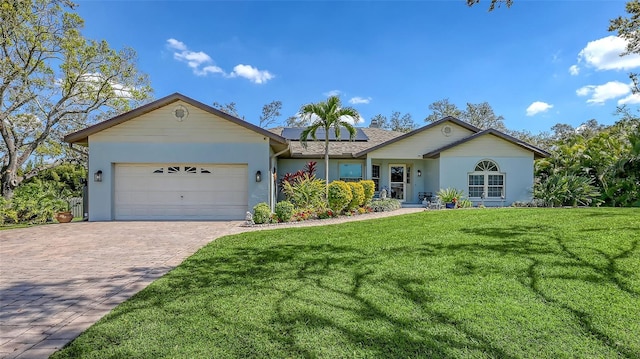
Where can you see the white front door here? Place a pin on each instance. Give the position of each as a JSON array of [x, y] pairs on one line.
[[397, 181]]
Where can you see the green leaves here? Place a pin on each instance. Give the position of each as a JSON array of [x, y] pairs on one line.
[[58, 79]]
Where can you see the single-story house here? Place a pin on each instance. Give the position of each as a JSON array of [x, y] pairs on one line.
[[180, 159]]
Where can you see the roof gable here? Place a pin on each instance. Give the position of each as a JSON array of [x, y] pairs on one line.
[[537, 152], [420, 130], [81, 137]]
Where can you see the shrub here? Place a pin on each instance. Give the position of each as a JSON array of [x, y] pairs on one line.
[[261, 213], [305, 191], [385, 205], [35, 202], [566, 190], [284, 211], [465, 203], [339, 195], [448, 195], [369, 190], [357, 196]]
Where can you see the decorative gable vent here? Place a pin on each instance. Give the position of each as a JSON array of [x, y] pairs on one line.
[[447, 130], [180, 113]]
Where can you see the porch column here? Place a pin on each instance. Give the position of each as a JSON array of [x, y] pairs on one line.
[[368, 168]]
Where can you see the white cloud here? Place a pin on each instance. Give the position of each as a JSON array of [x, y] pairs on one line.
[[332, 93], [538, 107], [574, 70], [359, 100], [312, 118], [601, 93], [202, 64], [352, 120], [251, 73], [604, 54], [177, 45], [634, 98]]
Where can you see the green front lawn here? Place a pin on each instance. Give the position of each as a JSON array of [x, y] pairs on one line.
[[508, 283]]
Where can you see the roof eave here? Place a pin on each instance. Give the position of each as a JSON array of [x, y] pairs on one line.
[[82, 136]]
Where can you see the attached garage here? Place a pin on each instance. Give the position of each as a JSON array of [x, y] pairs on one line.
[[180, 192], [177, 159]]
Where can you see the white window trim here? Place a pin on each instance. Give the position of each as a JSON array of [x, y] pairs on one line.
[[486, 175], [378, 177]]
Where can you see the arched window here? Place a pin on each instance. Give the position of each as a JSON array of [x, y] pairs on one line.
[[486, 179]]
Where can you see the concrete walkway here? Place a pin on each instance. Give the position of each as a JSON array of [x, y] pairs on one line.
[[57, 280]]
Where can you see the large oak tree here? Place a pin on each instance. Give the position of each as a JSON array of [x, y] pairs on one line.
[[54, 81]]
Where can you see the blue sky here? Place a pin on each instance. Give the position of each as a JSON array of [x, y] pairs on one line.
[[537, 63]]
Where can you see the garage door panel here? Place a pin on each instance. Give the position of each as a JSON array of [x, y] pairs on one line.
[[186, 191]]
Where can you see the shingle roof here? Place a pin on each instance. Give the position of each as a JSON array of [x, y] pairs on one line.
[[340, 149]]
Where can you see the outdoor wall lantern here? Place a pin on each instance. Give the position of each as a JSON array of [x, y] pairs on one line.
[[419, 173], [258, 176], [97, 177]]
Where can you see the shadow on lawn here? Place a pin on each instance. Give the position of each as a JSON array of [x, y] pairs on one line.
[[315, 298], [333, 283]]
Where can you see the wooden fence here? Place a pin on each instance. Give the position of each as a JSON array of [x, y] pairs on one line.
[[75, 203]]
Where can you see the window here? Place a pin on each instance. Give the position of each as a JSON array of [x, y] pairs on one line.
[[190, 169], [408, 175], [173, 169], [375, 176], [350, 172], [486, 179]]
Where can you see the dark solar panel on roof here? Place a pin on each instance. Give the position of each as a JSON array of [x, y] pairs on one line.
[[293, 134]]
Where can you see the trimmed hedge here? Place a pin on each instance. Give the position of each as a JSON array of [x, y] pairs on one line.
[[369, 190], [339, 196], [284, 211], [357, 196], [261, 213]]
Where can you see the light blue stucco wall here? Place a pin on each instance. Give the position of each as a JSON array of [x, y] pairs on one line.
[[103, 156], [518, 176], [428, 182]]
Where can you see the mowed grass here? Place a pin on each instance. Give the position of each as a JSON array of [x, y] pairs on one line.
[[492, 283]]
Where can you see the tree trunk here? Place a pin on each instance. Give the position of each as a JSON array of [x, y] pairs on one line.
[[326, 163], [9, 183]]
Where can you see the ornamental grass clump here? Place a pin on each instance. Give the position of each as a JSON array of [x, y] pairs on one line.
[[339, 196]]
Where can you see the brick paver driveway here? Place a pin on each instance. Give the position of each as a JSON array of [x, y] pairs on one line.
[[56, 280]]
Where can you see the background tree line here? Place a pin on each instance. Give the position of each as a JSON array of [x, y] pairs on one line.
[[54, 81]]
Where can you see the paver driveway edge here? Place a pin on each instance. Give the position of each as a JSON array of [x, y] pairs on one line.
[[57, 280]]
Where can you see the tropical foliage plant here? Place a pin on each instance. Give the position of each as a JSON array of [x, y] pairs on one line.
[[450, 195]]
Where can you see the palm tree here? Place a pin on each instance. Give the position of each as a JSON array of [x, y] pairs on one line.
[[327, 115]]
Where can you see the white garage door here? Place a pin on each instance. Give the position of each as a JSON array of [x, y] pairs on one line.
[[179, 191]]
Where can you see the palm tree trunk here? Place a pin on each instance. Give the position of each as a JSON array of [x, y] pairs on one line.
[[326, 163]]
